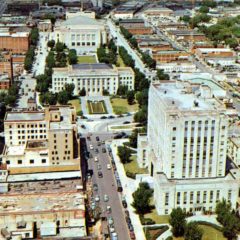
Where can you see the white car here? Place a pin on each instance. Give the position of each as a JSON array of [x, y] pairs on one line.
[[106, 198], [91, 146], [97, 198], [108, 166], [96, 159]]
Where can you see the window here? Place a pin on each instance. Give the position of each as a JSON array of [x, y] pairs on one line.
[[19, 161], [191, 197], [178, 197], [31, 161], [166, 199], [8, 162], [44, 160]]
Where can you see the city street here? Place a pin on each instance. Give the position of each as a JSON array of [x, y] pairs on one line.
[[107, 185]]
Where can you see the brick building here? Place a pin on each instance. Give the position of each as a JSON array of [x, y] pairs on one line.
[[16, 42], [140, 30], [6, 68], [170, 56]]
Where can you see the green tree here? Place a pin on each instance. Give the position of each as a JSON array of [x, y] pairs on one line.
[[72, 56], [69, 87], [231, 42], [130, 97], [125, 33], [222, 209], [141, 115], [51, 43], [185, 18], [122, 90], [124, 154], [204, 9], [59, 46], [161, 75], [63, 97], [133, 42], [141, 198], [133, 138], [34, 35], [105, 92], [82, 92], [178, 221], [142, 97], [193, 232], [231, 226], [50, 60]]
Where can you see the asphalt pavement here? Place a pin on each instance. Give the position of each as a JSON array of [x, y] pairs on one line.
[[107, 185]]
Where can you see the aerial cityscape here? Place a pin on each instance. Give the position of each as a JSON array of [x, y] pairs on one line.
[[120, 120]]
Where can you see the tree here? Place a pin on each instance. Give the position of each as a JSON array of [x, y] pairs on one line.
[[141, 115], [231, 226], [34, 35], [178, 221], [125, 33], [122, 90], [124, 154], [141, 198], [105, 92], [63, 97], [69, 87], [50, 60], [72, 56], [59, 47], [193, 232], [142, 97], [222, 209], [51, 43], [133, 42], [130, 97], [161, 75], [133, 138], [231, 42], [204, 9], [82, 92], [185, 18]]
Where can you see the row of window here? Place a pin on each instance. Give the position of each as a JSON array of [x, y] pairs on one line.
[[82, 44], [31, 161]]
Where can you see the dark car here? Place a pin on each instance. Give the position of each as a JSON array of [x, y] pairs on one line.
[[132, 235], [103, 150], [124, 203], [96, 150], [97, 138], [126, 122], [127, 213], [100, 175]]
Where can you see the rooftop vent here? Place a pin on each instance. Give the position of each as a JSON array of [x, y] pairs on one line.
[[196, 104]]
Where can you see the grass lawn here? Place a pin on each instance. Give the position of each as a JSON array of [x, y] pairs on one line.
[[96, 107], [121, 106], [159, 219], [209, 233], [87, 59], [120, 62], [76, 103], [133, 166]]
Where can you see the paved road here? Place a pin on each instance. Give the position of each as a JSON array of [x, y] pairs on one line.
[[107, 185], [121, 41]]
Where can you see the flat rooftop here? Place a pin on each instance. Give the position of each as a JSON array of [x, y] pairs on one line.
[[24, 116], [183, 95], [93, 66], [40, 203]]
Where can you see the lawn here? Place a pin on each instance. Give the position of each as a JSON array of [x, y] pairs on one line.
[[120, 62], [76, 103], [121, 106], [132, 167], [209, 233], [97, 107], [87, 59], [159, 219]]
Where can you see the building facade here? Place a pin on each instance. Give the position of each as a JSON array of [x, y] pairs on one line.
[[81, 33], [94, 78], [188, 160], [41, 139]]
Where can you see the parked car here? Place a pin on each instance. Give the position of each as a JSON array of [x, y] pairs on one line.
[[105, 198], [100, 175], [103, 150], [95, 187]]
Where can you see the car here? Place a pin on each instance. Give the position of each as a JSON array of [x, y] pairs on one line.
[[109, 166], [99, 167], [96, 150], [97, 138], [89, 176], [103, 142], [130, 227], [93, 205], [103, 150], [126, 122], [127, 213], [132, 235], [90, 155], [41, 53], [103, 117], [110, 221], [83, 126], [124, 203], [110, 117], [105, 198], [99, 144], [88, 138], [91, 146], [111, 229], [100, 175], [97, 198], [95, 187], [108, 209], [96, 159], [128, 220]]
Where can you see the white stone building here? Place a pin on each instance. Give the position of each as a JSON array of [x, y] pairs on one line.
[[187, 144], [178, 67], [93, 77], [81, 33]]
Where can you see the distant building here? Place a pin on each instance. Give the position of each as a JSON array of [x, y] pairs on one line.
[[81, 33], [5, 82], [94, 78], [45, 25], [187, 148], [75, 12], [6, 67], [41, 141], [151, 14], [170, 56], [176, 67]]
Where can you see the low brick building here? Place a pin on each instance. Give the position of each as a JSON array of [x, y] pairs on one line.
[[184, 35], [5, 82], [170, 56], [6, 68], [140, 30]]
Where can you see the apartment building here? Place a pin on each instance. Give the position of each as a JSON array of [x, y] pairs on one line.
[[41, 141], [93, 77], [81, 33], [187, 148], [15, 42]]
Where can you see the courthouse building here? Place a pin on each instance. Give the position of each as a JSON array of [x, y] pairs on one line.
[[187, 145], [94, 78], [81, 33]]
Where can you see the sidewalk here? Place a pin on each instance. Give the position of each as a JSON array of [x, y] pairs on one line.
[[138, 229]]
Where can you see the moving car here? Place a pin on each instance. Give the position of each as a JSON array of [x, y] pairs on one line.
[[108, 166], [95, 187], [105, 198], [100, 175], [97, 198], [96, 159], [91, 146]]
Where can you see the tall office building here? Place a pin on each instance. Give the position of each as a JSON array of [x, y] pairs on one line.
[[187, 144]]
